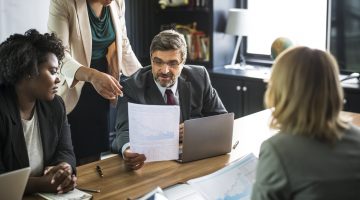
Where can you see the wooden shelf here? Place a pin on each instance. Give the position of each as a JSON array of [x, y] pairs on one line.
[[185, 9]]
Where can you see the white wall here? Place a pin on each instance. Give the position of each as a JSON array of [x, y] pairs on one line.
[[17, 16]]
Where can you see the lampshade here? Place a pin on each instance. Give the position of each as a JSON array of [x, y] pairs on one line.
[[237, 23]]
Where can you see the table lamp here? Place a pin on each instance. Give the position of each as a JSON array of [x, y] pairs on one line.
[[237, 24]]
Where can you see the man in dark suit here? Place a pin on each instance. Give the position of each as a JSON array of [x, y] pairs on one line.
[[166, 81]]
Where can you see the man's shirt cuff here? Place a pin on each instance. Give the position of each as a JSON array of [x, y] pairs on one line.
[[124, 147]]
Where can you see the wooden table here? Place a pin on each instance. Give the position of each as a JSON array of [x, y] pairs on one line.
[[119, 183]]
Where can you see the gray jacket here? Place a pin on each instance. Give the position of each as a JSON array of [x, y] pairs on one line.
[[301, 168]]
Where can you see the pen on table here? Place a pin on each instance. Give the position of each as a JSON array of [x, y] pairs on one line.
[[99, 171], [88, 190], [236, 143]]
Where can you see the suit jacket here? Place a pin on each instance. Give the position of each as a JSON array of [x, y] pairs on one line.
[[294, 167], [197, 98], [54, 132], [70, 21]]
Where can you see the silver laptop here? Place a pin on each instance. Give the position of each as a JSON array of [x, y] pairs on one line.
[[207, 137], [12, 184]]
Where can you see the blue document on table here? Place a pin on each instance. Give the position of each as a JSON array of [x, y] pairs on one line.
[[234, 181], [231, 182]]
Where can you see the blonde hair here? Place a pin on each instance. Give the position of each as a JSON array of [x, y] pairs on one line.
[[305, 94]]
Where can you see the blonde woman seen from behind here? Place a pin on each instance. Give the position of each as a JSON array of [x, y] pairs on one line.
[[316, 153]]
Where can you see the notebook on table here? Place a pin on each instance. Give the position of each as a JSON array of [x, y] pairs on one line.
[[207, 137], [12, 184]]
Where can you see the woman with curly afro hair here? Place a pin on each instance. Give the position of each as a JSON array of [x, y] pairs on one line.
[[33, 125]]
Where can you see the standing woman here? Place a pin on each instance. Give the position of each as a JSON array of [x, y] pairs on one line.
[[33, 126], [97, 52], [316, 154]]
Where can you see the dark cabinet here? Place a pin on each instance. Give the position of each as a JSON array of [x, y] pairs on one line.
[[253, 95], [241, 95], [352, 99], [229, 91], [242, 91]]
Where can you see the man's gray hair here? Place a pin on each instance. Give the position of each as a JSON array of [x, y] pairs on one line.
[[169, 40]]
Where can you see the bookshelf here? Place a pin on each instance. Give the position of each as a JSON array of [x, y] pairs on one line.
[[210, 46]]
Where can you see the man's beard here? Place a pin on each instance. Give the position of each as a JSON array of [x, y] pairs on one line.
[[165, 83]]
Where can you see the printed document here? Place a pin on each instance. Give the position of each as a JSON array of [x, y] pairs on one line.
[[231, 182], [156, 194], [154, 131], [234, 181], [71, 195]]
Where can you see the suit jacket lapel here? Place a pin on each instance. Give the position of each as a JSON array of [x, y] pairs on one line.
[[19, 145], [18, 140], [184, 88], [152, 93], [83, 16]]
